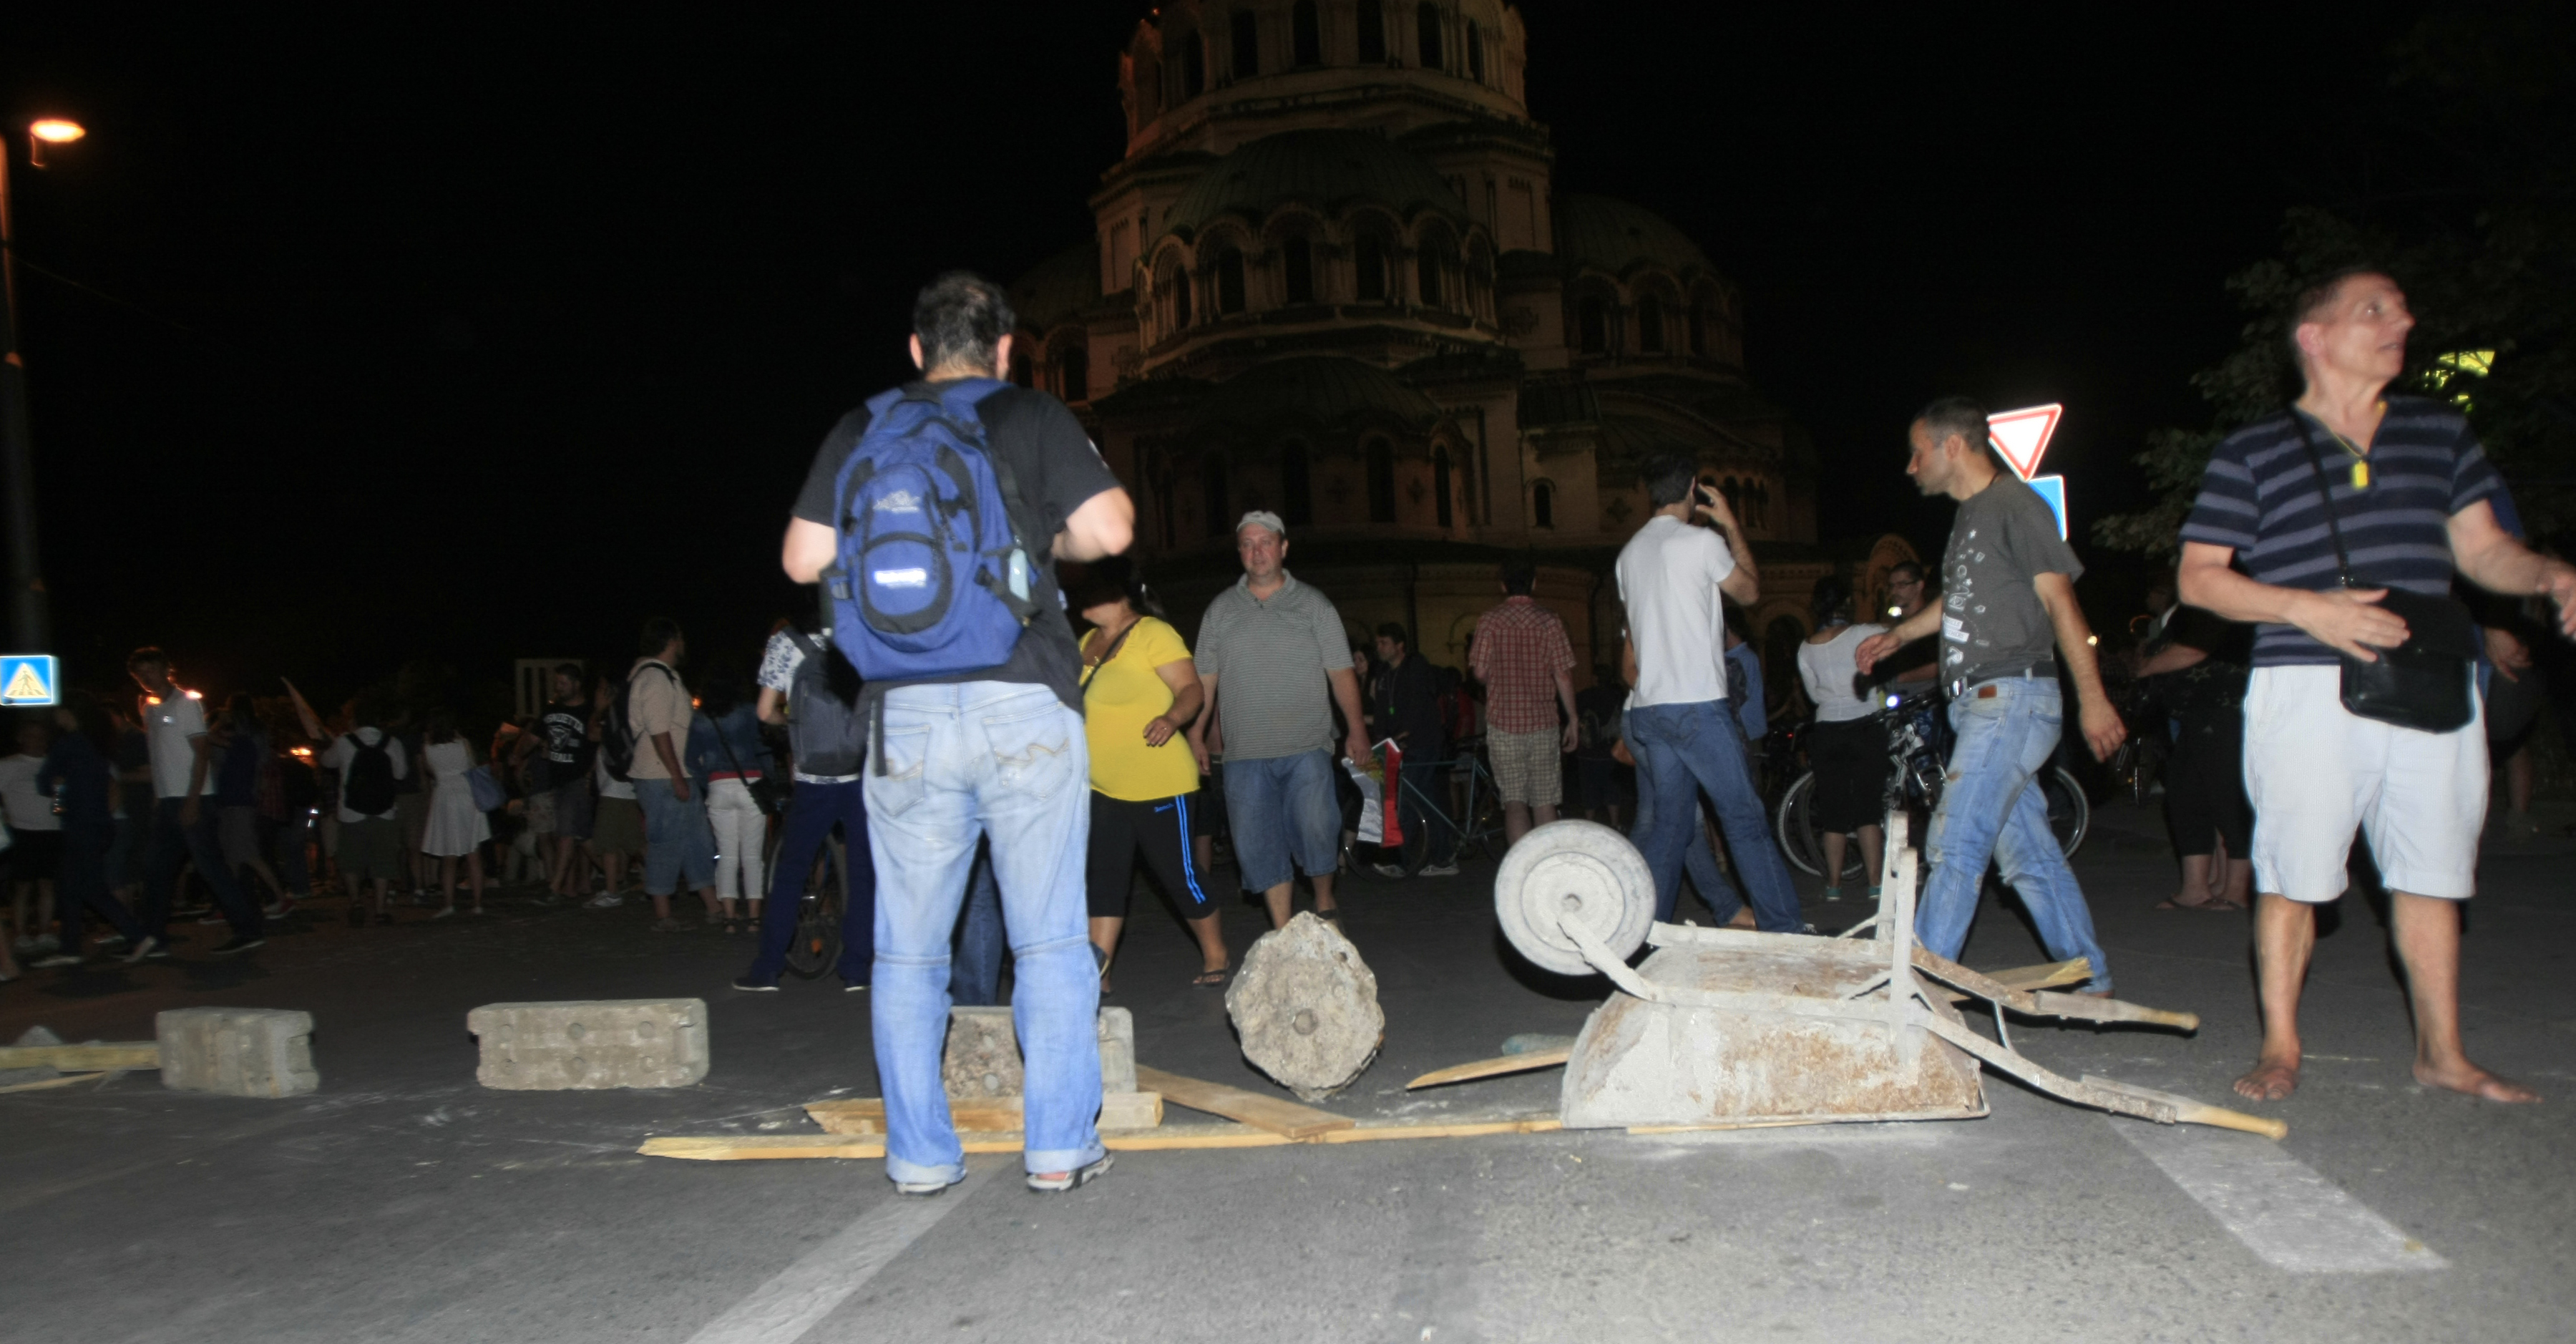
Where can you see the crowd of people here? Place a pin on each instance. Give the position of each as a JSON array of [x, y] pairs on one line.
[[1011, 799]]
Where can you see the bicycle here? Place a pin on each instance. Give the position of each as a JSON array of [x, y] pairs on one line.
[[1914, 732], [1479, 837]]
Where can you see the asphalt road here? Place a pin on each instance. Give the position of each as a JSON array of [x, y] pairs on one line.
[[404, 1202]]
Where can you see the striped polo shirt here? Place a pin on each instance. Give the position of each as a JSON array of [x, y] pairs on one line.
[[1270, 656], [2259, 498]]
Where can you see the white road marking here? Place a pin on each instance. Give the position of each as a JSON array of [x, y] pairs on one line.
[[787, 1306], [2276, 1204]]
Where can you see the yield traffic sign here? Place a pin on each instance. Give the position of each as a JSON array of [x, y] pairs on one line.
[[2021, 436]]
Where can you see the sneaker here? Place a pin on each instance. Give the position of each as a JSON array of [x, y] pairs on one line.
[[26, 947], [279, 908], [444, 912], [213, 917], [1440, 870], [667, 925], [1392, 872], [114, 942], [150, 949], [47, 943], [925, 1188], [238, 944], [606, 900], [750, 986], [849, 988], [190, 911], [1071, 1180], [58, 959]]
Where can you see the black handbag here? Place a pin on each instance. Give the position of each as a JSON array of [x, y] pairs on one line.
[[2423, 683]]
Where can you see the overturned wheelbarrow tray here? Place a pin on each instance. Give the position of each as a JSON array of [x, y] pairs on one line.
[[1727, 1027]]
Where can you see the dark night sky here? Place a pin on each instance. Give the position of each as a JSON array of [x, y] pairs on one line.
[[473, 335]]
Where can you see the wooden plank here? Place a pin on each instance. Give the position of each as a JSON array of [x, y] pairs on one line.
[[1494, 1068], [1166, 1138], [42, 1084], [83, 1058], [866, 1115], [1251, 1108], [2046, 975]]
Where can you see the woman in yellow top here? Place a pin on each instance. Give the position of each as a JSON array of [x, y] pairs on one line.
[[1139, 690]]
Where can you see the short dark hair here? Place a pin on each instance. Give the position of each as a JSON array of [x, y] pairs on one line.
[[1831, 599], [659, 631], [1669, 477], [572, 670], [1908, 568], [1963, 416], [150, 655], [1519, 577], [2313, 298], [1392, 630], [961, 318]]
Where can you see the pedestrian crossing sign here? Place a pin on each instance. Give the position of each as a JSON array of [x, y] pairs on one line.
[[28, 679]]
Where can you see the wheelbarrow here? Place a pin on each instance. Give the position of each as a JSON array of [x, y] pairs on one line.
[[1720, 1027]]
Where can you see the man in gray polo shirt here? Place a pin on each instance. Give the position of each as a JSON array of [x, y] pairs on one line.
[[1269, 651]]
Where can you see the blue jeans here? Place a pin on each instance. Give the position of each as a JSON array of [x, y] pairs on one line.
[[82, 886], [174, 846], [1991, 809], [963, 761], [1283, 817], [1427, 779], [1687, 748], [975, 978], [1699, 860], [678, 842], [812, 810]]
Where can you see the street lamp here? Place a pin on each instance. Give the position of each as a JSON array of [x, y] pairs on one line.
[[27, 624]]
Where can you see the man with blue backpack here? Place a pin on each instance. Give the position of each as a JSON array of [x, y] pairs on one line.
[[933, 517]]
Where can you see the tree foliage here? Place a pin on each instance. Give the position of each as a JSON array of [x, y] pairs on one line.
[[2461, 184]]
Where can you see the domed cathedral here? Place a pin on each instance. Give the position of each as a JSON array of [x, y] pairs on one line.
[[1331, 278]]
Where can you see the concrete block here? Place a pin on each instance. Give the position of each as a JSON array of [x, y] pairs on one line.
[[238, 1052], [593, 1043], [983, 1057]]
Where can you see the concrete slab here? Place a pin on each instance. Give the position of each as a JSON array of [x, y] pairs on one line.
[[237, 1052], [591, 1044]]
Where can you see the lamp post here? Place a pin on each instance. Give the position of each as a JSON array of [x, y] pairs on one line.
[[28, 627]]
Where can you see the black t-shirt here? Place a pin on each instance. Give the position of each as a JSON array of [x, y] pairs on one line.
[[568, 745], [1057, 470]]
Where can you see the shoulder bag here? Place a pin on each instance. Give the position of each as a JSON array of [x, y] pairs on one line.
[[2423, 683], [765, 793]]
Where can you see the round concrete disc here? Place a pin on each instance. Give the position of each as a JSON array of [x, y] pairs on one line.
[[1306, 1008], [1578, 868]]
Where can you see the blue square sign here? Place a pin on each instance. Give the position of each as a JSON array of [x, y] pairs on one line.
[[28, 679]]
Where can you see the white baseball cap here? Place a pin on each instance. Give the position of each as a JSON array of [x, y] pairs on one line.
[[1263, 518]]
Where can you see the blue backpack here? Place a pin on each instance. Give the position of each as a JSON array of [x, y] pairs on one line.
[[933, 577]]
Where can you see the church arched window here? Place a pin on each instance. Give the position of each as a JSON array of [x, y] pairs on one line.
[[1306, 33], [1592, 325], [1297, 268], [1247, 44], [1372, 32], [1175, 282], [1229, 282], [1543, 505], [1426, 271], [1213, 498], [1440, 482], [1380, 458], [1426, 26], [1475, 52], [1193, 66], [1073, 373], [1699, 327], [1296, 493], [1650, 324], [1368, 254]]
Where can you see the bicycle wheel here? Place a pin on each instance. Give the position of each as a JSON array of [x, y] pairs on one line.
[[1794, 825], [2068, 813], [818, 918]]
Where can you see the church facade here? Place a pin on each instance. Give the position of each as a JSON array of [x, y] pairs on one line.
[[1331, 277]]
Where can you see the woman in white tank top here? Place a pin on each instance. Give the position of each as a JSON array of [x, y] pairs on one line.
[[1847, 747]]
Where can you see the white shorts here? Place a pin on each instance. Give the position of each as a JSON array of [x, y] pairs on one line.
[[2314, 771]]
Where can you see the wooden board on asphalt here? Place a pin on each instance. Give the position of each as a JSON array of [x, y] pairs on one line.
[[83, 1058], [1271, 1113], [1494, 1068], [1165, 1138], [866, 1115]]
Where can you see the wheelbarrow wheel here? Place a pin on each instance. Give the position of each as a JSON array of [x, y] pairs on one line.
[[1578, 869]]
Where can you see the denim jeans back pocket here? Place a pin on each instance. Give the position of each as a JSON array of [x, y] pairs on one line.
[[907, 758], [1033, 747]]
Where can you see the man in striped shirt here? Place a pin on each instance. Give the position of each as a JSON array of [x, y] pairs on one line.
[[2410, 491]]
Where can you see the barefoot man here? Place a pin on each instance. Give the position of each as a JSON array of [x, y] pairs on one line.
[[2411, 491]]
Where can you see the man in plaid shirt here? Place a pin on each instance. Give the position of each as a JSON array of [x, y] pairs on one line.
[[1521, 654]]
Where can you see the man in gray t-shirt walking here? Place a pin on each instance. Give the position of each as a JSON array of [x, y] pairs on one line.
[[2007, 595], [1269, 650]]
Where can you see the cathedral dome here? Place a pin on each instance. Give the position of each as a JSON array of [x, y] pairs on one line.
[[1324, 168], [1615, 236], [1318, 389]]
